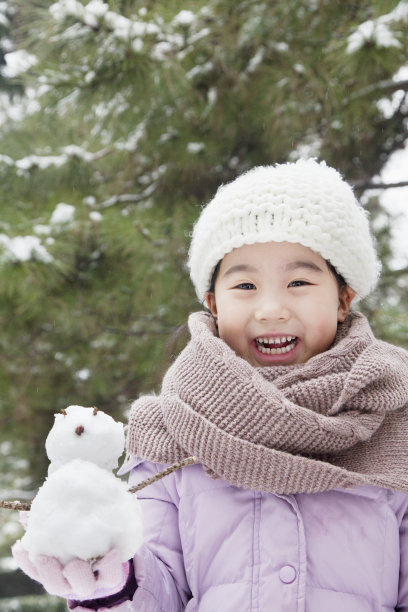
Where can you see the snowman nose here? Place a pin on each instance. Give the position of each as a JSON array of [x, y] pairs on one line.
[[79, 430]]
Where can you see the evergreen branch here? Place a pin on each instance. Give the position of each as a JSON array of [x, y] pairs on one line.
[[370, 185], [17, 505], [387, 85], [140, 332], [127, 197]]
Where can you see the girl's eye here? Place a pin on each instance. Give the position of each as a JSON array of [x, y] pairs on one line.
[[245, 286], [298, 283]]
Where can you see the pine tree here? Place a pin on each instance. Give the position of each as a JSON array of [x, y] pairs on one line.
[[136, 114]]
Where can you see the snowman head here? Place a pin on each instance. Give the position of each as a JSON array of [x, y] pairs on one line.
[[85, 433]]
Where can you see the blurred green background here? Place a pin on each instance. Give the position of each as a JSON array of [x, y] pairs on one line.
[[118, 121]]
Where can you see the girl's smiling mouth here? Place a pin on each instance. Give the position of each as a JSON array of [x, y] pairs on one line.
[[275, 350], [276, 345]]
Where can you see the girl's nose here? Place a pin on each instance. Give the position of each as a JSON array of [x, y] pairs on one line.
[[272, 309]]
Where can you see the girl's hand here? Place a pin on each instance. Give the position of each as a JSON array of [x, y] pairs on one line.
[[77, 579]]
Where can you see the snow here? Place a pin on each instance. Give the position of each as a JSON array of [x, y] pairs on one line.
[[63, 213], [95, 216], [97, 13], [83, 511], [4, 9], [184, 18], [5, 159], [39, 161], [374, 31], [101, 440], [83, 374], [199, 70], [23, 248], [17, 62], [42, 229], [256, 60], [195, 147], [379, 30]]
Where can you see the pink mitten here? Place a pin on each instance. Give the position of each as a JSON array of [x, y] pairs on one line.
[[77, 579]]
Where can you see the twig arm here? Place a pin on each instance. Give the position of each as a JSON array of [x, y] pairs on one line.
[[163, 473]]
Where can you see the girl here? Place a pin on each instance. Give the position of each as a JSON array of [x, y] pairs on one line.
[[296, 416]]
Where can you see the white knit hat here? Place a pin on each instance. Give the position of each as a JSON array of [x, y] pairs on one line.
[[304, 202]]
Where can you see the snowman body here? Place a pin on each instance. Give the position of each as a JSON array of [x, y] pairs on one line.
[[82, 510]]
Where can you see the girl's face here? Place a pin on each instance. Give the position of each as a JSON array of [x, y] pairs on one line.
[[277, 303]]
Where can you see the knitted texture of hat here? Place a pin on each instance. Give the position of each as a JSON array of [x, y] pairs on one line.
[[305, 202]]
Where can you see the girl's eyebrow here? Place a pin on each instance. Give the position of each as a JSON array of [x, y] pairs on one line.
[[293, 265], [309, 265], [239, 268]]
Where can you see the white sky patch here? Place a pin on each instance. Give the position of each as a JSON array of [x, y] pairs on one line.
[[388, 106], [23, 248], [63, 213], [396, 201]]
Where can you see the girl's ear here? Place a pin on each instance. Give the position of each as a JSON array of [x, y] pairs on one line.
[[210, 301], [346, 295]]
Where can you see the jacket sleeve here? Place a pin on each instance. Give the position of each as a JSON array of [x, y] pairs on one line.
[[403, 574], [161, 584], [159, 565]]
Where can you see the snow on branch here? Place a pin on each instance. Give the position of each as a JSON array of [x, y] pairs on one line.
[[125, 198], [96, 15], [23, 248], [45, 161], [378, 31], [166, 38]]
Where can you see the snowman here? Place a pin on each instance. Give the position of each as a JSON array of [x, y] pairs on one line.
[[82, 510]]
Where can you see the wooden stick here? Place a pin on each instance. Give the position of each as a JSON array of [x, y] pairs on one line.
[[15, 505], [163, 473]]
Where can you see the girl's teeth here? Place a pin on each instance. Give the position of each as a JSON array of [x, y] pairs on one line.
[[276, 351], [281, 340]]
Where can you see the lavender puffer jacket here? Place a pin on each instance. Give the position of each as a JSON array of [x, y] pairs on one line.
[[213, 547]]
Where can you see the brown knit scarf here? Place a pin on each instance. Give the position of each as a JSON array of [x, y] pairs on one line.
[[338, 420]]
